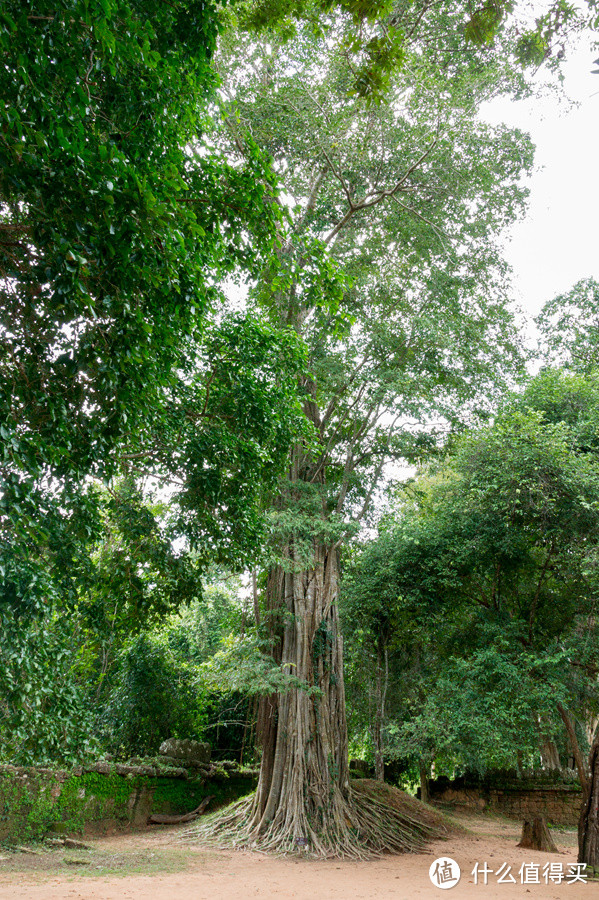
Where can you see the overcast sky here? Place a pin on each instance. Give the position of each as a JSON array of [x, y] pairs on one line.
[[558, 242]]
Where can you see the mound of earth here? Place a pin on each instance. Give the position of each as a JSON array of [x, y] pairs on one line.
[[432, 823]]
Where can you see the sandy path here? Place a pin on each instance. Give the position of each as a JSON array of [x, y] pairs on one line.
[[224, 875]]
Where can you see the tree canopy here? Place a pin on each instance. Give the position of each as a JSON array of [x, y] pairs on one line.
[[118, 225]]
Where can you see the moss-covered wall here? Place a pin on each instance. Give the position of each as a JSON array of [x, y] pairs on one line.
[[34, 802], [521, 799]]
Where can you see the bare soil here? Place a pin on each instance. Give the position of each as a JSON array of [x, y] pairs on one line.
[[152, 864]]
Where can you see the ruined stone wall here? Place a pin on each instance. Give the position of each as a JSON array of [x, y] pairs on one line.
[[559, 803], [107, 797]]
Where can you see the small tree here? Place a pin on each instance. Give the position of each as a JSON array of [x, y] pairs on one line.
[[495, 557]]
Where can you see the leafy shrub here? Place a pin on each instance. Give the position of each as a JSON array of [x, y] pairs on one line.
[[156, 696]]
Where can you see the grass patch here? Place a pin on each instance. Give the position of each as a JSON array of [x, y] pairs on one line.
[[98, 863]]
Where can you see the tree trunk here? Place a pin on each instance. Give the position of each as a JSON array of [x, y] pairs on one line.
[[576, 751], [304, 801], [591, 724], [424, 769], [382, 680], [304, 775], [550, 756], [255, 597], [588, 827], [535, 836]]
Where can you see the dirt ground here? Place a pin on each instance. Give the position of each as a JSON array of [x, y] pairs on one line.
[[153, 865]]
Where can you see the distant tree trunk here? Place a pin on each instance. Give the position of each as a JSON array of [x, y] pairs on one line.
[[588, 827], [424, 770], [382, 681], [581, 765], [550, 756], [255, 597], [591, 724], [248, 727]]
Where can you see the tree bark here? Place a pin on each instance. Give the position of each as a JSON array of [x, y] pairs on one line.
[[550, 756], [382, 679], [255, 597], [588, 826], [576, 751], [304, 774], [549, 753], [535, 836], [591, 724], [424, 770]]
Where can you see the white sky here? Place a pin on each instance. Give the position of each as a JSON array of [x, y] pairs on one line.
[[558, 242]]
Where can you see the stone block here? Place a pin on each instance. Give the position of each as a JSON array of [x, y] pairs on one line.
[[188, 751]]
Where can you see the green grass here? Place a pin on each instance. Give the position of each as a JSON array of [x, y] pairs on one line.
[[96, 863]]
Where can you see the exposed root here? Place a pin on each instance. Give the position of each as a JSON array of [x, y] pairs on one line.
[[374, 819], [158, 819]]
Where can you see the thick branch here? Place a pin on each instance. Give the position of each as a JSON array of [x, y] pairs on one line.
[[369, 202]]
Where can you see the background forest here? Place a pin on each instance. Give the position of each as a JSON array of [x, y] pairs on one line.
[[265, 402]]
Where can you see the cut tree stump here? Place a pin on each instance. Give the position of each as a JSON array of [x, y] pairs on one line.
[[535, 836], [187, 817]]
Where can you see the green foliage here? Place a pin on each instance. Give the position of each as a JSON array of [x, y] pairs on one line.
[[118, 222], [378, 34], [136, 576], [243, 666], [481, 712], [101, 253], [186, 677], [44, 715], [227, 435], [155, 697], [485, 581], [569, 326], [198, 629]]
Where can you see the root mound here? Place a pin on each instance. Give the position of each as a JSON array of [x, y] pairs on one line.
[[376, 818], [404, 804]]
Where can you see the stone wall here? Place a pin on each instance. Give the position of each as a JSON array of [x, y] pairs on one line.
[[107, 797], [559, 803]]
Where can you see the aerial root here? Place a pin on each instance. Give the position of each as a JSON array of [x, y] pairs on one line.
[[360, 827]]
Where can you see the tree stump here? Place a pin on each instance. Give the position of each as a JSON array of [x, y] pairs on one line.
[[535, 836]]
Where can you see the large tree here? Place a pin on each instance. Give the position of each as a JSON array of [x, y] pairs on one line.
[[407, 199], [117, 224], [569, 326]]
